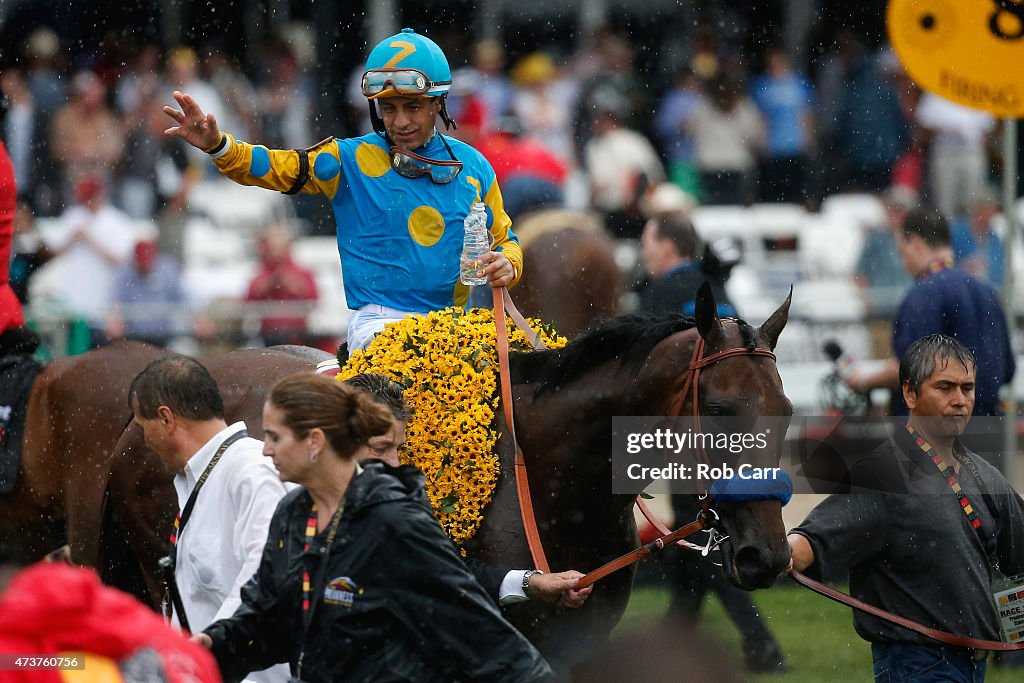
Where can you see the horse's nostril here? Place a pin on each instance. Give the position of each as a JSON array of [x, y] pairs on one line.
[[754, 567]]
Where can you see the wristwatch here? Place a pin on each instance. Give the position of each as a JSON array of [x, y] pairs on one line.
[[526, 580]]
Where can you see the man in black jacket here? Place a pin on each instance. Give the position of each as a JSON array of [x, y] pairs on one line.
[[927, 528]]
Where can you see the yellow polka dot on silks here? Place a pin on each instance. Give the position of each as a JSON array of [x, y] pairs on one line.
[[475, 183], [372, 160], [461, 294], [426, 225]]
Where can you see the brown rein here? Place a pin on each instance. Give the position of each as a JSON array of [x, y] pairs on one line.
[[501, 300], [697, 363], [934, 633]]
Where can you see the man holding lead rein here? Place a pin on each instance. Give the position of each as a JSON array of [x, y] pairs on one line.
[[929, 531], [399, 195]]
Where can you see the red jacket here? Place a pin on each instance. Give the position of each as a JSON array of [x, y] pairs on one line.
[[11, 315], [50, 609]]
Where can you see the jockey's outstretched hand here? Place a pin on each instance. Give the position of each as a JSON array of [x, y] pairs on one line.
[[194, 127], [560, 586], [497, 269]]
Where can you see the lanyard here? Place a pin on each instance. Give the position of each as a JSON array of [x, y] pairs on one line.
[[936, 266], [182, 518], [310, 535], [307, 587], [951, 479]]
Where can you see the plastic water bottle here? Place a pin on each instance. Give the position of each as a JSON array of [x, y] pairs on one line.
[[475, 243]]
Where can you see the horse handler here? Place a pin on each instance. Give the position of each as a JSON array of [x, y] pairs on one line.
[[930, 530]]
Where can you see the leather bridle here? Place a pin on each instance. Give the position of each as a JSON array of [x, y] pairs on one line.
[[707, 517]]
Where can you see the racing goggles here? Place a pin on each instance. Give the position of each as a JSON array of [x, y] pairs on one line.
[[411, 165], [405, 82]]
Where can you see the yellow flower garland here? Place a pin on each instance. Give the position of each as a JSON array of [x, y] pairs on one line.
[[447, 361]]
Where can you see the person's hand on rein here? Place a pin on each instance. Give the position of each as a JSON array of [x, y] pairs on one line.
[[194, 127], [202, 639], [497, 269], [560, 586]]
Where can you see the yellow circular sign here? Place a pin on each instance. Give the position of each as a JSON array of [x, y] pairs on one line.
[[968, 51]]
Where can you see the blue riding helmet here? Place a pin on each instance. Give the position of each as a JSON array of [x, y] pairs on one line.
[[407, 65], [401, 53]]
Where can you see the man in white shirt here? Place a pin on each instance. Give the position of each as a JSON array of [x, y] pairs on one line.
[[227, 491], [958, 161]]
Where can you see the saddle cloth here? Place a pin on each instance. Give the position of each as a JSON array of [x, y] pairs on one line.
[[17, 372]]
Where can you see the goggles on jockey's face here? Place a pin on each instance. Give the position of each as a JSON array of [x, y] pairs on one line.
[[404, 82], [411, 165]]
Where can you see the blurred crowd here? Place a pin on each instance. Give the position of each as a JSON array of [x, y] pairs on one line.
[[583, 129]]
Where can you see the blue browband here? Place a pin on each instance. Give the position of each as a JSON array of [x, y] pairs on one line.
[[775, 484]]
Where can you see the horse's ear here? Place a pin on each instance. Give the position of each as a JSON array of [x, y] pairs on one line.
[[772, 327], [705, 312]]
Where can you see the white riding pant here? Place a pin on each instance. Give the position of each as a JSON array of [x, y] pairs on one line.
[[368, 321]]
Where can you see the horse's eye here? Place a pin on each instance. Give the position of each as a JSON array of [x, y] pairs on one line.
[[713, 409]]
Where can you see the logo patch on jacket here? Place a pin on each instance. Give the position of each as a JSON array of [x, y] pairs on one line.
[[341, 591]]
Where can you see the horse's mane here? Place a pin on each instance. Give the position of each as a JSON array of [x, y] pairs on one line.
[[630, 338]]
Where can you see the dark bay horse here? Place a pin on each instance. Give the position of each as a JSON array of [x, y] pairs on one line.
[[77, 409], [564, 402]]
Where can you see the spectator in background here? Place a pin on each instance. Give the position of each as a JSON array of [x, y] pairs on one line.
[[880, 272], [622, 165], [785, 100], [29, 252], [91, 241], [977, 246], [281, 280], [47, 87], [234, 87], [43, 54], [672, 122], [492, 85], [183, 75], [728, 134], [155, 175], [871, 129], [957, 139], [530, 175], [142, 78], [944, 300], [466, 106], [87, 136], [670, 251], [545, 104], [615, 80], [21, 130], [148, 298], [283, 104]]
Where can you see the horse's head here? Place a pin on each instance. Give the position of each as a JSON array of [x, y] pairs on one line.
[[746, 385]]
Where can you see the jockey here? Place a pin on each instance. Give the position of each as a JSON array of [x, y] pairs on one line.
[[399, 195]]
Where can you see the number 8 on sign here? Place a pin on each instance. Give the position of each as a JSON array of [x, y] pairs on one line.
[[963, 50]]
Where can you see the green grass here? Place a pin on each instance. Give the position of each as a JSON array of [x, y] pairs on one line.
[[816, 634]]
